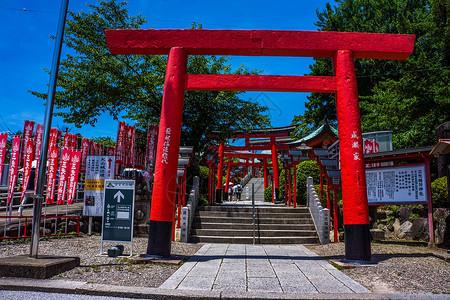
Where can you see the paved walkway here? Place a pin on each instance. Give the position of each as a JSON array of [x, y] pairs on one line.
[[260, 268]]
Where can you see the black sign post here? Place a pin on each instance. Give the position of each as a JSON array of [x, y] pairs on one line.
[[118, 212]]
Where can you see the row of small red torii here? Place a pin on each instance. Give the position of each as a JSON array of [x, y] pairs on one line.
[[342, 47]]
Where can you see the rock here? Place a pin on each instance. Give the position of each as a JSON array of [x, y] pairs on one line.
[[390, 227], [405, 230], [389, 213], [383, 221], [404, 213], [377, 234], [381, 214], [396, 225], [388, 234], [419, 229]]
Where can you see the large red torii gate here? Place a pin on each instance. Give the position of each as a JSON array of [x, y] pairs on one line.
[[342, 47]]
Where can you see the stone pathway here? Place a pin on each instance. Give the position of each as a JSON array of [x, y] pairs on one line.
[[260, 268]]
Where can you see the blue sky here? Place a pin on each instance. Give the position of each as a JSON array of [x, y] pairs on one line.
[[26, 49]]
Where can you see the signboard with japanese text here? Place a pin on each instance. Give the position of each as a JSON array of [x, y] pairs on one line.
[[400, 184], [118, 214], [98, 168]]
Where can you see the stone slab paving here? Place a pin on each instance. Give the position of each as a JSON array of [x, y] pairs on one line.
[[260, 268]]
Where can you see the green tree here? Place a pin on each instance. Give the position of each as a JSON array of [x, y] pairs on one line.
[[92, 81], [410, 97], [105, 140]]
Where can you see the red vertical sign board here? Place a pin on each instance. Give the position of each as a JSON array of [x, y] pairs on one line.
[[38, 140], [84, 154], [119, 143], [27, 166], [152, 140], [3, 140], [14, 165], [37, 167], [51, 177], [73, 175], [28, 129], [63, 175]]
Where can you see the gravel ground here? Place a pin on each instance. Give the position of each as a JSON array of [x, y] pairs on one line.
[[103, 269], [401, 267]]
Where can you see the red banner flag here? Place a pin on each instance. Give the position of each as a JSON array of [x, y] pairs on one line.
[[152, 141], [38, 140], [28, 129], [111, 151], [52, 171], [63, 175], [37, 167], [67, 141], [84, 154], [132, 143], [14, 166], [27, 166], [73, 175], [3, 140], [119, 143]]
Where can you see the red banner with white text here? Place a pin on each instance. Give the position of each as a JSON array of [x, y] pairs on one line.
[[38, 140], [13, 167], [51, 176], [84, 154], [27, 166], [73, 175], [3, 141], [63, 175], [152, 141], [28, 129]]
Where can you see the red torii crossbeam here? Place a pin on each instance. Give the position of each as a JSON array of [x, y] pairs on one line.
[[342, 47]]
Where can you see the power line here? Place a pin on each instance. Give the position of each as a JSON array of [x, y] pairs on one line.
[[5, 124], [28, 10]]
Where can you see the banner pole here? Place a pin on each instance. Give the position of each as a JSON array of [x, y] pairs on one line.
[[37, 207]]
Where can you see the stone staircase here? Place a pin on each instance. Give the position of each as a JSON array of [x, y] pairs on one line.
[[233, 224]]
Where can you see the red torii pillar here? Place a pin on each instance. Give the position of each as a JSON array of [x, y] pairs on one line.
[[343, 47], [219, 175], [266, 184], [275, 169]]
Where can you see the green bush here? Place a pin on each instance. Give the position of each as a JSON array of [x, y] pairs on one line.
[[203, 200], [439, 193], [268, 194], [306, 169]]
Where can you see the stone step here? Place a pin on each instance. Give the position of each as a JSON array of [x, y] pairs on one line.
[[249, 214], [210, 219], [249, 233], [301, 209], [204, 225], [249, 240]]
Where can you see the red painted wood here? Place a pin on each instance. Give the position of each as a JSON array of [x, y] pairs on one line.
[[275, 164], [270, 83], [164, 188], [259, 42], [247, 155], [220, 168], [354, 194]]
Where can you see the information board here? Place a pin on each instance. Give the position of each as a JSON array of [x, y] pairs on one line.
[[118, 213], [400, 184], [98, 168]]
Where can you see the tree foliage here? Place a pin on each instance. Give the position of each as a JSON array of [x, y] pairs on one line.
[[409, 97], [92, 81]]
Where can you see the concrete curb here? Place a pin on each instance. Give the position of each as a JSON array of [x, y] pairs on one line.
[[76, 287]]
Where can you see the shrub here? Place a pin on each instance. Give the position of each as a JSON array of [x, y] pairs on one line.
[[268, 194], [439, 193], [304, 170], [203, 200]]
